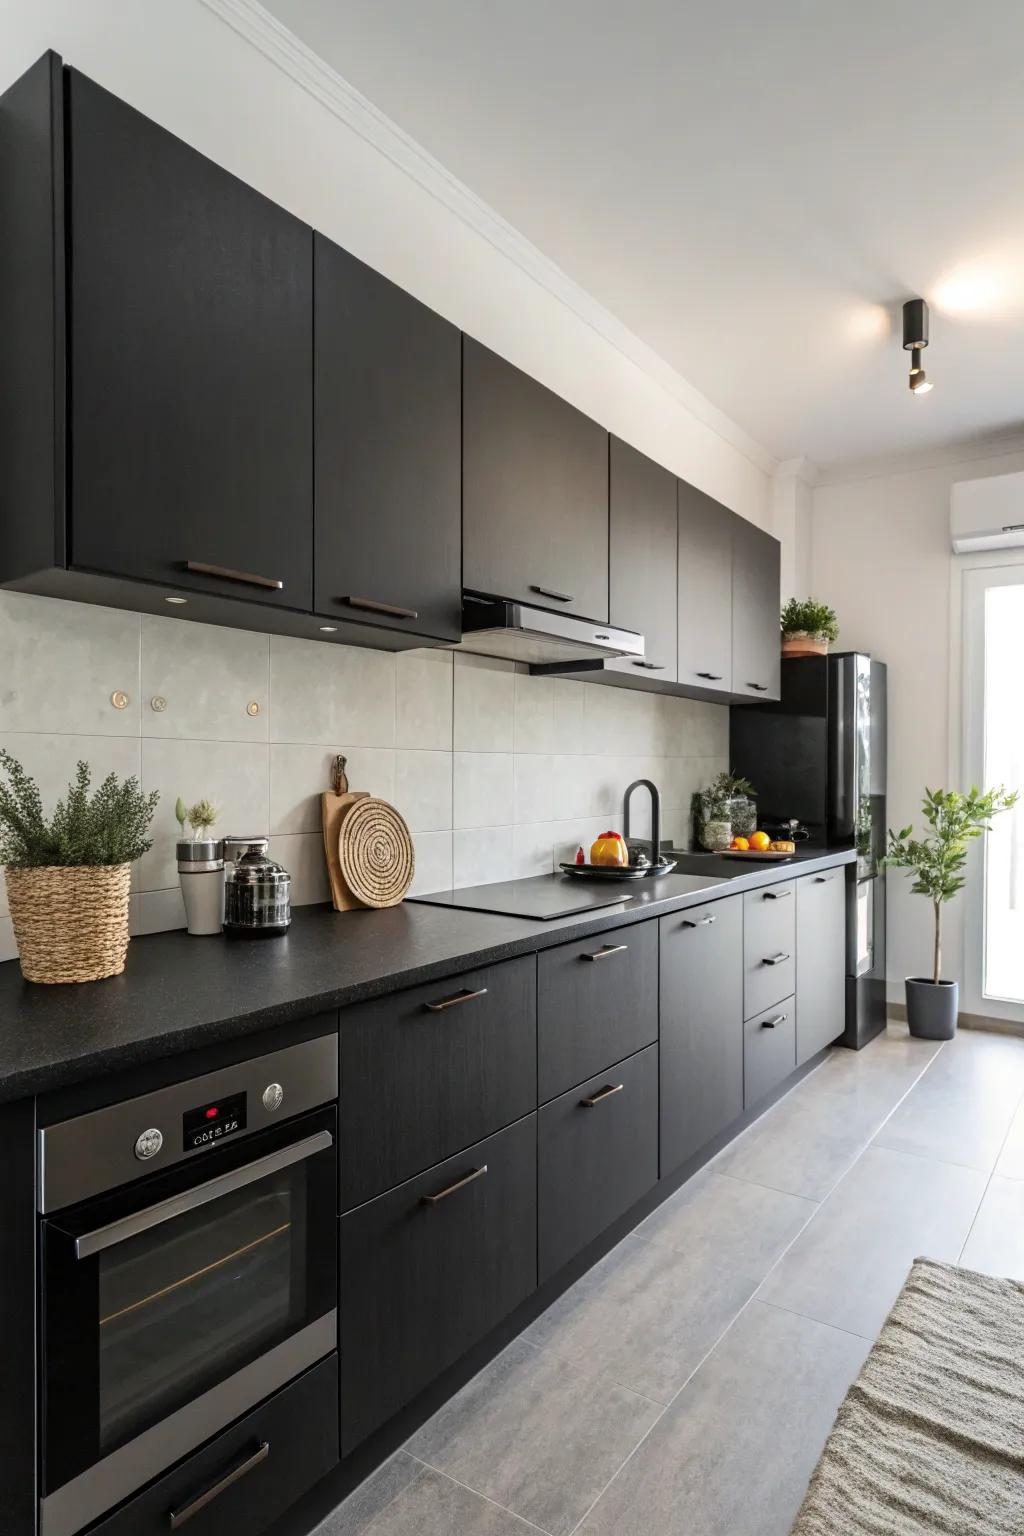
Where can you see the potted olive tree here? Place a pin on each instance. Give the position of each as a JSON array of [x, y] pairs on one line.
[[69, 874], [808, 627], [937, 862]]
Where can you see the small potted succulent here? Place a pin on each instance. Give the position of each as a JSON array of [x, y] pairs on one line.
[[937, 862], [808, 627], [69, 874]]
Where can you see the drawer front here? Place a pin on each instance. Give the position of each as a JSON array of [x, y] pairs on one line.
[[423, 1278], [820, 961], [769, 1050], [597, 1002], [249, 1475], [597, 1153], [434, 1069], [769, 945]]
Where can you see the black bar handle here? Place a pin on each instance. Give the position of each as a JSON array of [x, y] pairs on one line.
[[712, 677], [559, 597], [185, 1512]]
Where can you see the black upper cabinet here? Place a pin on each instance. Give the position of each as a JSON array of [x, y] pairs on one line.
[[535, 491], [756, 646], [388, 444], [642, 566], [191, 368], [705, 591]]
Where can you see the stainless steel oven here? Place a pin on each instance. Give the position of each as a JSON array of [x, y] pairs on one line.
[[189, 1269]]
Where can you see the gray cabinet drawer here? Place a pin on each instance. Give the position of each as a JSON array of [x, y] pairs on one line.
[[597, 1002], [769, 945], [597, 1153], [431, 1070], [769, 1050], [820, 961]]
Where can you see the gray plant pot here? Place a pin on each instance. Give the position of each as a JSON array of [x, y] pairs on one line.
[[932, 1008]]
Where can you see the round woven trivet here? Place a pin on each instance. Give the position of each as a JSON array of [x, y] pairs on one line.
[[70, 924], [375, 853]]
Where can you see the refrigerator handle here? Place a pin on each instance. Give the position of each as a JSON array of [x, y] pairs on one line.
[[843, 727]]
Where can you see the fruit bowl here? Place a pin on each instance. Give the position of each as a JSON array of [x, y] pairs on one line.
[[618, 871]]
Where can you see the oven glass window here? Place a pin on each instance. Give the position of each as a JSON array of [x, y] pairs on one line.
[[186, 1303]]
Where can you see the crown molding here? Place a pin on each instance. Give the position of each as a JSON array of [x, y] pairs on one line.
[[966, 451], [797, 469], [257, 26]]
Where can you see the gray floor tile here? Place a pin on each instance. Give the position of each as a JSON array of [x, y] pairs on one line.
[[362, 1506], [847, 1267], [432, 1505], [962, 1108], [538, 1434], [650, 1311], [733, 1454], [1011, 1158], [996, 1242]]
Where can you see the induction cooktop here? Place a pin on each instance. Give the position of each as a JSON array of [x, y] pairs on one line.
[[543, 897]]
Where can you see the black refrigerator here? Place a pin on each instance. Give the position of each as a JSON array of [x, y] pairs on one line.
[[819, 755]]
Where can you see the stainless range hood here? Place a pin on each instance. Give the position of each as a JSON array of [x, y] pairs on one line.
[[513, 631]]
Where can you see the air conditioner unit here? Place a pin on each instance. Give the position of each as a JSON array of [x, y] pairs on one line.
[[987, 514]]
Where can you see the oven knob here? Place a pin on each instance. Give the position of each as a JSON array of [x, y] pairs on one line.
[[273, 1097], [149, 1144]]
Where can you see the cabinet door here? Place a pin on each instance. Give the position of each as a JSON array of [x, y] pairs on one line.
[[756, 643], [642, 566], [769, 1050], [535, 491], [820, 961], [769, 946], [428, 1269], [705, 591], [191, 366], [701, 1043], [387, 452]]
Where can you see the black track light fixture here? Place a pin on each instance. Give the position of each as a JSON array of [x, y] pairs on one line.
[[915, 339]]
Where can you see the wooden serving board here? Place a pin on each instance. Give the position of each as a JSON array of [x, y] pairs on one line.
[[335, 807]]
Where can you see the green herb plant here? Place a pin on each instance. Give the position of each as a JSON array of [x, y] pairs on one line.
[[938, 859], [107, 827], [201, 817], [716, 797], [810, 618]]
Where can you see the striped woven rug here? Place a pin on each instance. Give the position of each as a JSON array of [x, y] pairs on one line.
[[929, 1440]]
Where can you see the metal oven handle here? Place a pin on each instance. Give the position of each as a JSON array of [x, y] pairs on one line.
[[190, 1199]]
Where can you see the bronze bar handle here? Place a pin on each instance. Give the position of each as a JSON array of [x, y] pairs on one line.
[[372, 606], [775, 959], [609, 949], [200, 568], [702, 922], [780, 1018], [650, 666], [453, 1189], [601, 1094], [559, 597], [186, 1511], [466, 996], [777, 895], [712, 677]]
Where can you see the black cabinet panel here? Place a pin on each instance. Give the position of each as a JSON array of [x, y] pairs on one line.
[[430, 1070], [597, 1001], [535, 491], [820, 961], [701, 1041], [769, 1050], [422, 1278], [642, 565], [191, 367], [597, 1153], [705, 591], [388, 452], [756, 642]]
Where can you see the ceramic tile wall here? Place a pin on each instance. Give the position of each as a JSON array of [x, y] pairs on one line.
[[499, 774]]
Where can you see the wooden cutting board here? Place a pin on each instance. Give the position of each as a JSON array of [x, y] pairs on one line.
[[335, 803]]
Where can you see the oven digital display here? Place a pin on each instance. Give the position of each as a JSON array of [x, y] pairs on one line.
[[210, 1123]]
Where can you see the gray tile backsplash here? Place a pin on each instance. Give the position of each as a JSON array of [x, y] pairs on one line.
[[498, 774]]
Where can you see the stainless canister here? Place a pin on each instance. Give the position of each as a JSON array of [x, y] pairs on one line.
[[201, 875], [257, 893]]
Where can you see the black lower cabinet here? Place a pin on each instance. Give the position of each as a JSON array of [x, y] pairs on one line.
[[597, 1154], [429, 1268], [249, 1475], [701, 1027], [769, 1050]]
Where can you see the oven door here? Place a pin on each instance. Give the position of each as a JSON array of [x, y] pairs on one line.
[[175, 1306]]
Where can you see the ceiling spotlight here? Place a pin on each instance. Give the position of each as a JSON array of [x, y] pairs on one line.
[[915, 339]]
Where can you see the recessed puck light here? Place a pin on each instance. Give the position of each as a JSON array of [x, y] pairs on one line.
[[328, 629], [176, 600]]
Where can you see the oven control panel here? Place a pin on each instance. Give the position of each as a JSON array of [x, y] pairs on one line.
[[212, 1122]]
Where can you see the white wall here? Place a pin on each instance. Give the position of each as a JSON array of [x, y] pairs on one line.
[[880, 554]]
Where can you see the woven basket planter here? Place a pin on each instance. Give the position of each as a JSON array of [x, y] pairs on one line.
[[70, 924]]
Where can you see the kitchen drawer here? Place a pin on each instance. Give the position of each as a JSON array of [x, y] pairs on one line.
[[597, 1153], [820, 960], [597, 1002], [298, 1427], [769, 1050], [429, 1268], [769, 945], [434, 1069]]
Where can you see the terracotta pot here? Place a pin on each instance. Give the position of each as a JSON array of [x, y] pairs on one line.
[[802, 644]]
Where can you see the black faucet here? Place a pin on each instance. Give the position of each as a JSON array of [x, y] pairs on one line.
[[656, 855]]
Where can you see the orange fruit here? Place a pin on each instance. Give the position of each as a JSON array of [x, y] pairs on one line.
[[761, 841], [740, 844]]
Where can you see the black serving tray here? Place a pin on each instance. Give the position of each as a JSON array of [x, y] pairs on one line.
[[617, 871]]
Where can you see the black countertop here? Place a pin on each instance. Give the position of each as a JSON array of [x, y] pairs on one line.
[[179, 993]]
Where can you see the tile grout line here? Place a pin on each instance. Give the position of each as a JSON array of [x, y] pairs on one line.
[[988, 1181], [429, 1465], [805, 1317]]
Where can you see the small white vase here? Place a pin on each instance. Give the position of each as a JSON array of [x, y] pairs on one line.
[[201, 875]]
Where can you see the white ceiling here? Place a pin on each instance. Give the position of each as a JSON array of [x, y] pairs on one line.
[[752, 186]]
